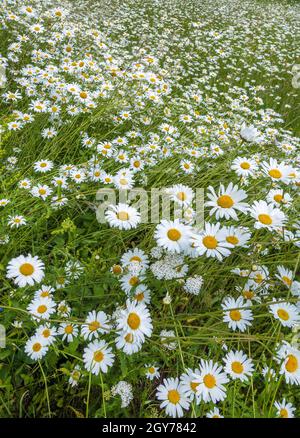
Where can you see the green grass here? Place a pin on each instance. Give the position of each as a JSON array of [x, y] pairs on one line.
[[39, 388]]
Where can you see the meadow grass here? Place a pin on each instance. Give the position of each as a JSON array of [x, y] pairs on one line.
[[238, 56]]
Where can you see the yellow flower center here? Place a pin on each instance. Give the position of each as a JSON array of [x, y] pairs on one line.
[[83, 95], [136, 259], [123, 181], [94, 325], [194, 386], [45, 294], [265, 219], [68, 329], [181, 196], [26, 269], [151, 370], [245, 165], [123, 216], [173, 396], [287, 280], [237, 367], [46, 333], [235, 315], [278, 198], [232, 239], [134, 281], [42, 191], [134, 321], [98, 356], [248, 294], [283, 413], [36, 347], [129, 338], [258, 278], [275, 173], [117, 269], [292, 364], [209, 381], [210, 242], [283, 314], [42, 308], [225, 201], [140, 296], [174, 234]]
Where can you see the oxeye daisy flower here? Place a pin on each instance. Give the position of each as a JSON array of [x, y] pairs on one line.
[[260, 275], [128, 342], [78, 175], [250, 292], [238, 365], [95, 173], [181, 194], [69, 331], [131, 281], [277, 171], [75, 376], [266, 215], [36, 347], [44, 291], [173, 398], [4, 202], [106, 178], [63, 309], [286, 313], [142, 294], [187, 166], [123, 180], [43, 166], [279, 198], [122, 216], [16, 221], [237, 236], [98, 357], [135, 319], [211, 242], [152, 372], [136, 164], [41, 191], [96, 323], [136, 255], [225, 203], [172, 235], [236, 314], [244, 166], [284, 409], [290, 363], [24, 184], [41, 308], [285, 275], [25, 270], [60, 181], [214, 413], [47, 332], [190, 385], [211, 379]]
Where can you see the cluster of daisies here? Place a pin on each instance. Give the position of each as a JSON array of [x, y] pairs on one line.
[[100, 126]]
